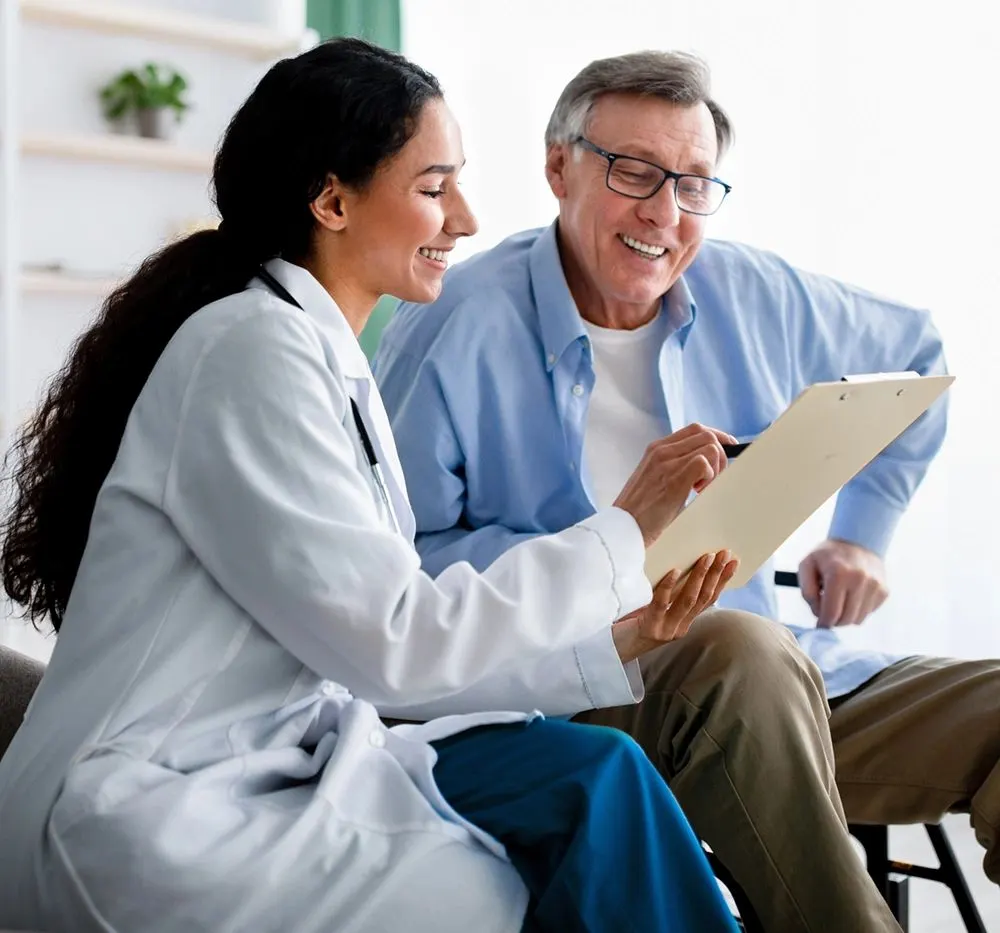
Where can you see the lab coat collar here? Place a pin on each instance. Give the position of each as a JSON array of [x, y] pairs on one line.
[[323, 310], [318, 304]]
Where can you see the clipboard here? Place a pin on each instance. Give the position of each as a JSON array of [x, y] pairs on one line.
[[823, 439]]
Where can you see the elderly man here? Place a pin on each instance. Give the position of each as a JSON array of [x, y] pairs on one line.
[[523, 398]]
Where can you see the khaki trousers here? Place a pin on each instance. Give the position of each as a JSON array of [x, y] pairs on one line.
[[736, 719]]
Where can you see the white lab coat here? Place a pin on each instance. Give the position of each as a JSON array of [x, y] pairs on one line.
[[205, 751]]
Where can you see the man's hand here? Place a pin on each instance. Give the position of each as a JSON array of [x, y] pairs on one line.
[[843, 583], [673, 609]]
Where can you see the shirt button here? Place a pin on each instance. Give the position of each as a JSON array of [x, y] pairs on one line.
[[377, 738], [578, 390], [552, 359], [329, 688]]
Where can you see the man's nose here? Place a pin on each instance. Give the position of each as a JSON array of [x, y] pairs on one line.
[[661, 209]]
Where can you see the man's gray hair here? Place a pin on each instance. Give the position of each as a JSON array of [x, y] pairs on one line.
[[673, 76]]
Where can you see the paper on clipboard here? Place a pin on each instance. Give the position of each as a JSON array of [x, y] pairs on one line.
[[826, 436]]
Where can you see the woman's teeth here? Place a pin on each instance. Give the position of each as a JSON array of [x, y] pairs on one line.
[[646, 249], [438, 255]]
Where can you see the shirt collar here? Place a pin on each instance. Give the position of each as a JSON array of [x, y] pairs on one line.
[[559, 318], [318, 304], [679, 308]]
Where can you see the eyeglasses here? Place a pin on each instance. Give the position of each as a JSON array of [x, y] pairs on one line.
[[637, 178]]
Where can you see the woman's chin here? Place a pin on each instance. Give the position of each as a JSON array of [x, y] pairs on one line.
[[421, 292]]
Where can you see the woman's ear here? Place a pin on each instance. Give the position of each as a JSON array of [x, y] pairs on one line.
[[330, 208]]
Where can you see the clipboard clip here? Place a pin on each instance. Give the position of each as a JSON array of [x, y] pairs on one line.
[[881, 377], [734, 450]]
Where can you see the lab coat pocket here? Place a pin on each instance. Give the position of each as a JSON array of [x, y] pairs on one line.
[[369, 784]]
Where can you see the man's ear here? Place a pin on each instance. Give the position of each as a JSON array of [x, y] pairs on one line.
[[330, 208], [556, 159]]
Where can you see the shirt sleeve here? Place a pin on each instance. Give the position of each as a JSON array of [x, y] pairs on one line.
[[266, 487], [842, 330], [434, 464]]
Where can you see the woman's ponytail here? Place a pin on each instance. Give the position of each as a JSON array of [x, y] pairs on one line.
[[341, 108], [63, 454]]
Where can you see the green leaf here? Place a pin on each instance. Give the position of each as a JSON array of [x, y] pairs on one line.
[[152, 86]]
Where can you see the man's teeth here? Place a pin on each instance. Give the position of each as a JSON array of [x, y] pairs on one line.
[[439, 254], [647, 249]]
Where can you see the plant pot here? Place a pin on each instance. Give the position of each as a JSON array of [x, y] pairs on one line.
[[122, 126], [155, 122]]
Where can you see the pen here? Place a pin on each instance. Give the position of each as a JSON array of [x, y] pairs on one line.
[[734, 450]]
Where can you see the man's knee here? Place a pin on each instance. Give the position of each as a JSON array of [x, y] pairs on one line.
[[740, 634], [739, 646]]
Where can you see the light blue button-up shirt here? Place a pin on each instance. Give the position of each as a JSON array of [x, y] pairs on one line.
[[487, 391]]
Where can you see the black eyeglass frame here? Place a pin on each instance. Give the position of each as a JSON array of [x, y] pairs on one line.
[[612, 157]]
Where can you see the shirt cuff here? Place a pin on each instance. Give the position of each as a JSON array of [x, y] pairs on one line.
[[626, 552], [606, 681], [866, 519]]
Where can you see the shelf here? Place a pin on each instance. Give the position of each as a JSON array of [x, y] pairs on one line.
[[117, 18], [129, 150], [65, 283]]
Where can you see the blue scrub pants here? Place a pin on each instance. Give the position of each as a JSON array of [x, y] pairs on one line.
[[589, 824]]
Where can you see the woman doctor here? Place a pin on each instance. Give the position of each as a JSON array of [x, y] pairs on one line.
[[210, 509]]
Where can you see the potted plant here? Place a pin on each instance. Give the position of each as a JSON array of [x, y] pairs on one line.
[[149, 94]]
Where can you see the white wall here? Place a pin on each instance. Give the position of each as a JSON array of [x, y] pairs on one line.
[[850, 117], [823, 95], [96, 217], [99, 218]]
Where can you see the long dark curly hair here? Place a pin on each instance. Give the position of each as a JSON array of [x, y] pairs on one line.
[[341, 108]]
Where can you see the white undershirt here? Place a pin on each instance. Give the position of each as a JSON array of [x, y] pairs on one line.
[[626, 411]]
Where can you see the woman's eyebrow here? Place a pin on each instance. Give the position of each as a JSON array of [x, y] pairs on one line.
[[440, 169]]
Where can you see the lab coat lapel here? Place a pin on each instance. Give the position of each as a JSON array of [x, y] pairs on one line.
[[353, 365], [364, 392]]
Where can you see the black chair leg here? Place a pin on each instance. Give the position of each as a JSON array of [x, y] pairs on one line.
[[892, 878], [898, 900], [875, 841], [896, 890], [951, 875]]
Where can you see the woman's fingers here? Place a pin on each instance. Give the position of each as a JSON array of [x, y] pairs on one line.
[[675, 606], [704, 584], [720, 573], [663, 593], [699, 472], [710, 582], [727, 574], [686, 599], [693, 439]]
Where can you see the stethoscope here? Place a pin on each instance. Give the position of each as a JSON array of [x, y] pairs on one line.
[[366, 442]]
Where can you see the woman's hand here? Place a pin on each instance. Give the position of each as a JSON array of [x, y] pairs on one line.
[[670, 469], [674, 607]]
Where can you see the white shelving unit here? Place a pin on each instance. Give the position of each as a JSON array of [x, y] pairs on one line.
[[121, 19], [108, 17], [8, 215], [41, 162], [66, 283], [126, 150]]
